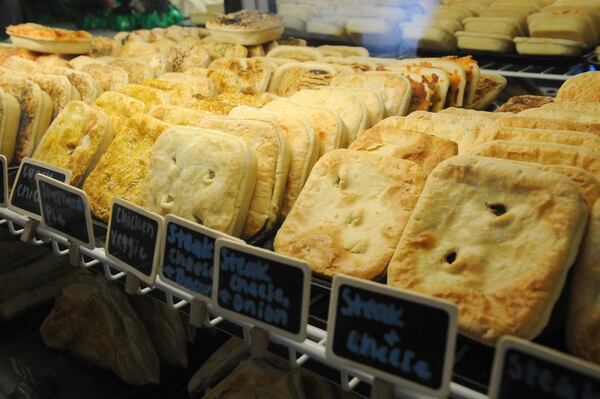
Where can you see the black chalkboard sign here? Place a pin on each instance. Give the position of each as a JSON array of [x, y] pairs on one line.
[[24, 197], [267, 290], [3, 180], [133, 239], [397, 336], [526, 370], [188, 253], [65, 210]]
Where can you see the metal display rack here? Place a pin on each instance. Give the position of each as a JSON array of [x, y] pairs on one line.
[[313, 348]]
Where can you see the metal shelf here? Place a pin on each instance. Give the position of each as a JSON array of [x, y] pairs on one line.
[[537, 72], [313, 348]]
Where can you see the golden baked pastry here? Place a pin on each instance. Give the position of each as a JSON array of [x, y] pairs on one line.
[[423, 149], [51, 61], [580, 139], [220, 49], [543, 123], [343, 51], [582, 87], [394, 90], [85, 84], [119, 175], [254, 74], [183, 57], [370, 98], [10, 114], [326, 123], [300, 54], [137, 71], [583, 106], [22, 66], [151, 97], [50, 40], [76, 140], [303, 143], [59, 88], [247, 27], [221, 168], [545, 153], [224, 80], [517, 104], [273, 154], [184, 90], [292, 77], [583, 325], [118, 108], [36, 113], [496, 238], [175, 115], [351, 213], [108, 77]]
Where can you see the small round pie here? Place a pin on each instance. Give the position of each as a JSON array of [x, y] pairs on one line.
[[44, 39], [246, 27]]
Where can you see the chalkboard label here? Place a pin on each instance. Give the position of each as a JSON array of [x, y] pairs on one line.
[[24, 196], [263, 288], [133, 240], [188, 253], [526, 370], [3, 180], [397, 336], [65, 210]]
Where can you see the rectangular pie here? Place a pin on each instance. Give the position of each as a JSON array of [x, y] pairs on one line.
[[351, 213], [221, 169], [496, 238]]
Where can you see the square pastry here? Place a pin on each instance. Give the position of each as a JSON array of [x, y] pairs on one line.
[[421, 148], [76, 140], [150, 96], [220, 168], [303, 143], [273, 154], [123, 167], [119, 107], [497, 238], [351, 213]]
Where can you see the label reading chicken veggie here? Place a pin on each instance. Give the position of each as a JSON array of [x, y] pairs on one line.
[[65, 210], [24, 196], [3, 181], [133, 239], [526, 370], [188, 256], [267, 290], [397, 336]]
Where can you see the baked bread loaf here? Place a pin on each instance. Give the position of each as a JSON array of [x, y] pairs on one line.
[[545, 153], [76, 140], [292, 77], [582, 87], [222, 170], [273, 154], [123, 167], [174, 115], [394, 90], [423, 149], [517, 104], [351, 213], [583, 325], [497, 239], [44, 39], [247, 27], [351, 109], [254, 74], [85, 84], [59, 88], [36, 112], [303, 143], [326, 123], [150, 96], [10, 114]]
